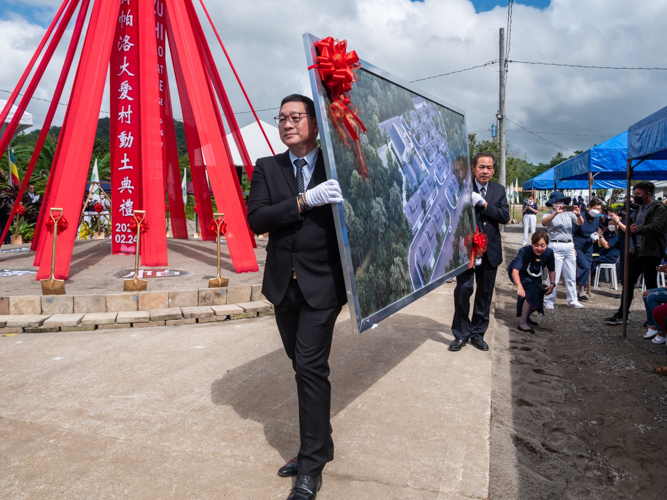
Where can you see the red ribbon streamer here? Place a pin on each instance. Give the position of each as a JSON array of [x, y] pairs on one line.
[[478, 248], [133, 226], [62, 225], [337, 69]]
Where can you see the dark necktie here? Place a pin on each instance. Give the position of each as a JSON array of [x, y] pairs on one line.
[[483, 192], [299, 163]]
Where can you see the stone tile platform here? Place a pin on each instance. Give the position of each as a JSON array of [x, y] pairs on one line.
[[78, 322]]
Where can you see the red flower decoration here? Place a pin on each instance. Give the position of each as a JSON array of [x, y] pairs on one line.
[[479, 243], [336, 67], [166, 208], [99, 207], [196, 209], [62, 225], [20, 210], [133, 226], [214, 228]]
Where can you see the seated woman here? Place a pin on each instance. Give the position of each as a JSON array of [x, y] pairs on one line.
[[526, 272], [653, 302], [609, 249]]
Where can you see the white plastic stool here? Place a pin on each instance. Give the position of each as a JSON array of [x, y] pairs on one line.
[[611, 268], [660, 280]]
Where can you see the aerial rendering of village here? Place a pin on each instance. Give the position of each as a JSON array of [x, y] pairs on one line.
[[433, 193], [408, 221]]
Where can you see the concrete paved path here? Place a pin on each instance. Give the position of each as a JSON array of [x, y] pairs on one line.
[[210, 411]]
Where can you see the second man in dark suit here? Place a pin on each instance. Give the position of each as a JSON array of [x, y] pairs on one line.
[[291, 199], [491, 209]]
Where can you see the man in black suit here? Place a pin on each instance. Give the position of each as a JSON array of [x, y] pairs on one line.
[[291, 199], [491, 209]]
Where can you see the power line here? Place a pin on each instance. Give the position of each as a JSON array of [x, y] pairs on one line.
[[586, 66], [453, 72], [562, 133], [536, 135]]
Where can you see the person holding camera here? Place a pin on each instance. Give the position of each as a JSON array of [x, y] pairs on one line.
[[648, 242], [559, 223]]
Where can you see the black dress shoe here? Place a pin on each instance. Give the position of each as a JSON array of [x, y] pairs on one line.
[[479, 344], [291, 468], [529, 330], [306, 487], [456, 345], [583, 297], [533, 322]]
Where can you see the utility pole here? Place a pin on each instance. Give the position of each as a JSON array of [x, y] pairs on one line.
[[501, 112]]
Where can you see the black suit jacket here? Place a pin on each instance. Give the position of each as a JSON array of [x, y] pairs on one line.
[[304, 242], [496, 212]]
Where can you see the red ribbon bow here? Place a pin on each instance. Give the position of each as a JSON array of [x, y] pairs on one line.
[[98, 208], [62, 225], [213, 227], [133, 226], [478, 248], [336, 67], [20, 210]]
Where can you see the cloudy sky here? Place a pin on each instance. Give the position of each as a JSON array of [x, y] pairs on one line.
[[573, 108]]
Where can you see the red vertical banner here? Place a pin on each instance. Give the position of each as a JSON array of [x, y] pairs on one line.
[[154, 243], [77, 136], [172, 171], [125, 131]]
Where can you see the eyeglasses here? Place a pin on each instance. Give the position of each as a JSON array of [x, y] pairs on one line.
[[293, 118]]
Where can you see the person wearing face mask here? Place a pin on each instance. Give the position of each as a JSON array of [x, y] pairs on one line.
[[559, 224], [529, 212], [648, 228], [526, 272], [584, 236], [608, 246]]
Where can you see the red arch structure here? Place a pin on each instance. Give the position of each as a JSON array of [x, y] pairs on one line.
[[128, 39]]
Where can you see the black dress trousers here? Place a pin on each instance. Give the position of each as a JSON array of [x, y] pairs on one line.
[[306, 334], [464, 328]]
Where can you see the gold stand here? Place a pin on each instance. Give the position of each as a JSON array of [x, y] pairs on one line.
[[170, 234], [98, 235], [135, 284], [218, 281], [16, 239], [52, 286]]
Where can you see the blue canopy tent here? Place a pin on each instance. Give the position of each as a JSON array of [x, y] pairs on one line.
[[646, 144], [545, 182], [608, 161]]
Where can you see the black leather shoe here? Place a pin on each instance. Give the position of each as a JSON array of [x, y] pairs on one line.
[[479, 344], [533, 322], [530, 330], [291, 468], [306, 487], [456, 345]]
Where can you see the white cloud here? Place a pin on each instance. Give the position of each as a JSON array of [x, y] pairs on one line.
[[415, 40]]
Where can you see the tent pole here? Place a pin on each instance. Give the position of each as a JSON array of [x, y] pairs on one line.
[[626, 257], [590, 197]]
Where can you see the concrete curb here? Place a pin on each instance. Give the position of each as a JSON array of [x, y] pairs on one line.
[[16, 305], [13, 324]]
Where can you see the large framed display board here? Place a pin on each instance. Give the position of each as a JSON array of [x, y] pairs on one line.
[[406, 223]]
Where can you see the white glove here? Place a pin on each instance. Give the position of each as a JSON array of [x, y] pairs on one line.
[[477, 199], [595, 237], [478, 261], [323, 194]]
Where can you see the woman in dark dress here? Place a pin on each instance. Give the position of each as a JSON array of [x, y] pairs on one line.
[[526, 273], [584, 236]]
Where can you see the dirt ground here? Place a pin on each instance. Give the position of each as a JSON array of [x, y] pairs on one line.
[[576, 411]]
